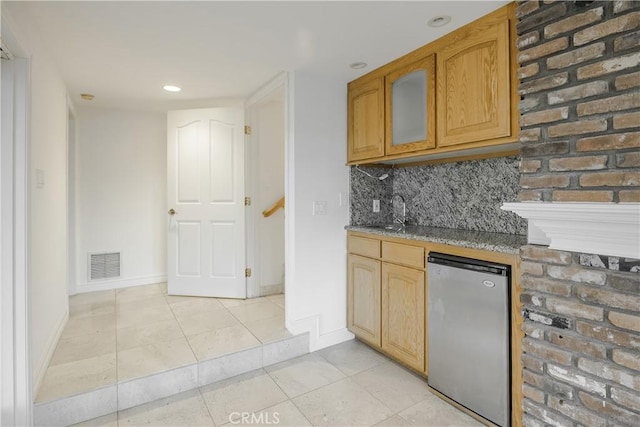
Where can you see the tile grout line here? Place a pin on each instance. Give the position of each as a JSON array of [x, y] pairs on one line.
[[346, 378], [206, 406], [184, 335], [117, 364], [290, 399], [247, 328]]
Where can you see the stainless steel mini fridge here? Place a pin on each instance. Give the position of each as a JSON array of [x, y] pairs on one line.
[[468, 334]]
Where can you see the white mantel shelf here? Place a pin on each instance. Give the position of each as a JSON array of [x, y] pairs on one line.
[[593, 228]]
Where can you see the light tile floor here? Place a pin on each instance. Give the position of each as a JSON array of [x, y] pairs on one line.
[[114, 336], [344, 385]]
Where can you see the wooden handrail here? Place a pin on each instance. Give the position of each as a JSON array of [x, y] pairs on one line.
[[277, 205]]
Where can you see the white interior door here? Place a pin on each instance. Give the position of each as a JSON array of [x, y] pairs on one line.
[[206, 247]]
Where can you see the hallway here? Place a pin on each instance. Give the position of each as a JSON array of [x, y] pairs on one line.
[[147, 358], [125, 347], [345, 385], [114, 336]]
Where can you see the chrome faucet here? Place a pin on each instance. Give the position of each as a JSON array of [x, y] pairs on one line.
[[399, 210]]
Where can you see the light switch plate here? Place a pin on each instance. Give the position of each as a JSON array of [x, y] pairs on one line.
[[39, 178], [319, 207], [376, 206]]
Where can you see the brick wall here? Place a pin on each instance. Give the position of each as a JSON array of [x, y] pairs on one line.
[[580, 78], [580, 141]]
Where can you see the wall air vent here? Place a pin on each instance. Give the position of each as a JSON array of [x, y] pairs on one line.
[[104, 265]]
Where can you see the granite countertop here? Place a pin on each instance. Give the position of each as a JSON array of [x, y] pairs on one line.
[[496, 242]]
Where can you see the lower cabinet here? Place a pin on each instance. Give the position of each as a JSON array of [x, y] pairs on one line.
[[403, 314], [386, 301], [363, 298]]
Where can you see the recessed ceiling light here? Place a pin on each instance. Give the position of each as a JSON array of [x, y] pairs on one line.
[[358, 65], [439, 21], [170, 88], [87, 96]]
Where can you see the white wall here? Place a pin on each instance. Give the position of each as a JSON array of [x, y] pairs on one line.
[[121, 194], [48, 203], [316, 284]]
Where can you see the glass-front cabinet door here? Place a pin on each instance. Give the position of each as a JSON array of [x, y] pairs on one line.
[[410, 107]]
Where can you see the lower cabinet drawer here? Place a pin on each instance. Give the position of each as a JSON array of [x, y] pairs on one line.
[[363, 246], [412, 256]]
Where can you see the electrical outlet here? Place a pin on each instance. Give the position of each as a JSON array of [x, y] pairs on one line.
[[376, 206]]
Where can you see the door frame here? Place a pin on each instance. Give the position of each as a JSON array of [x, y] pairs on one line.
[[253, 213], [15, 332], [72, 194]]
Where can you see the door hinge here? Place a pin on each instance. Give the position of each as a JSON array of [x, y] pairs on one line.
[[247, 130], [247, 201], [247, 272]]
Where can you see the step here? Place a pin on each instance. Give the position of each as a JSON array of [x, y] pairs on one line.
[[126, 394]]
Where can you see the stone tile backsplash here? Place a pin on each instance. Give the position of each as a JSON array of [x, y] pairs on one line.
[[465, 195], [364, 190]]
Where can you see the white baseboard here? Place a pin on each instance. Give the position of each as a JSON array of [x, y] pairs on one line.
[[318, 341], [271, 289], [41, 365], [105, 285]]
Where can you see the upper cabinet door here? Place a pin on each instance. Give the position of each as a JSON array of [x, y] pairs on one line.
[[410, 107], [365, 117], [474, 86]]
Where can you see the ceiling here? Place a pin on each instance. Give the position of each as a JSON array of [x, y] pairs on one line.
[[124, 52]]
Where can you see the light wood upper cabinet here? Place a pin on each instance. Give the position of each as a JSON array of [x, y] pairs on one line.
[[446, 98], [410, 98], [363, 298], [474, 86], [365, 110], [403, 312]]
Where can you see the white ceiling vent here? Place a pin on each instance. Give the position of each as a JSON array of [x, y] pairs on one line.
[[104, 265]]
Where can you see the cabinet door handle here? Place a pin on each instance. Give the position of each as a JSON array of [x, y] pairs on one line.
[[172, 212]]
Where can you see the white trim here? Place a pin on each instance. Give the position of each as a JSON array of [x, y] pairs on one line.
[[41, 367], [125, 282], [318, 341], [22, 301], [594, 228], [289, 194], [72, 193], [267, 90], [536, 236], [16, 392], [263, 94], [251, 222]]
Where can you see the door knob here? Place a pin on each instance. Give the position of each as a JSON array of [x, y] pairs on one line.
[[172, 211]]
